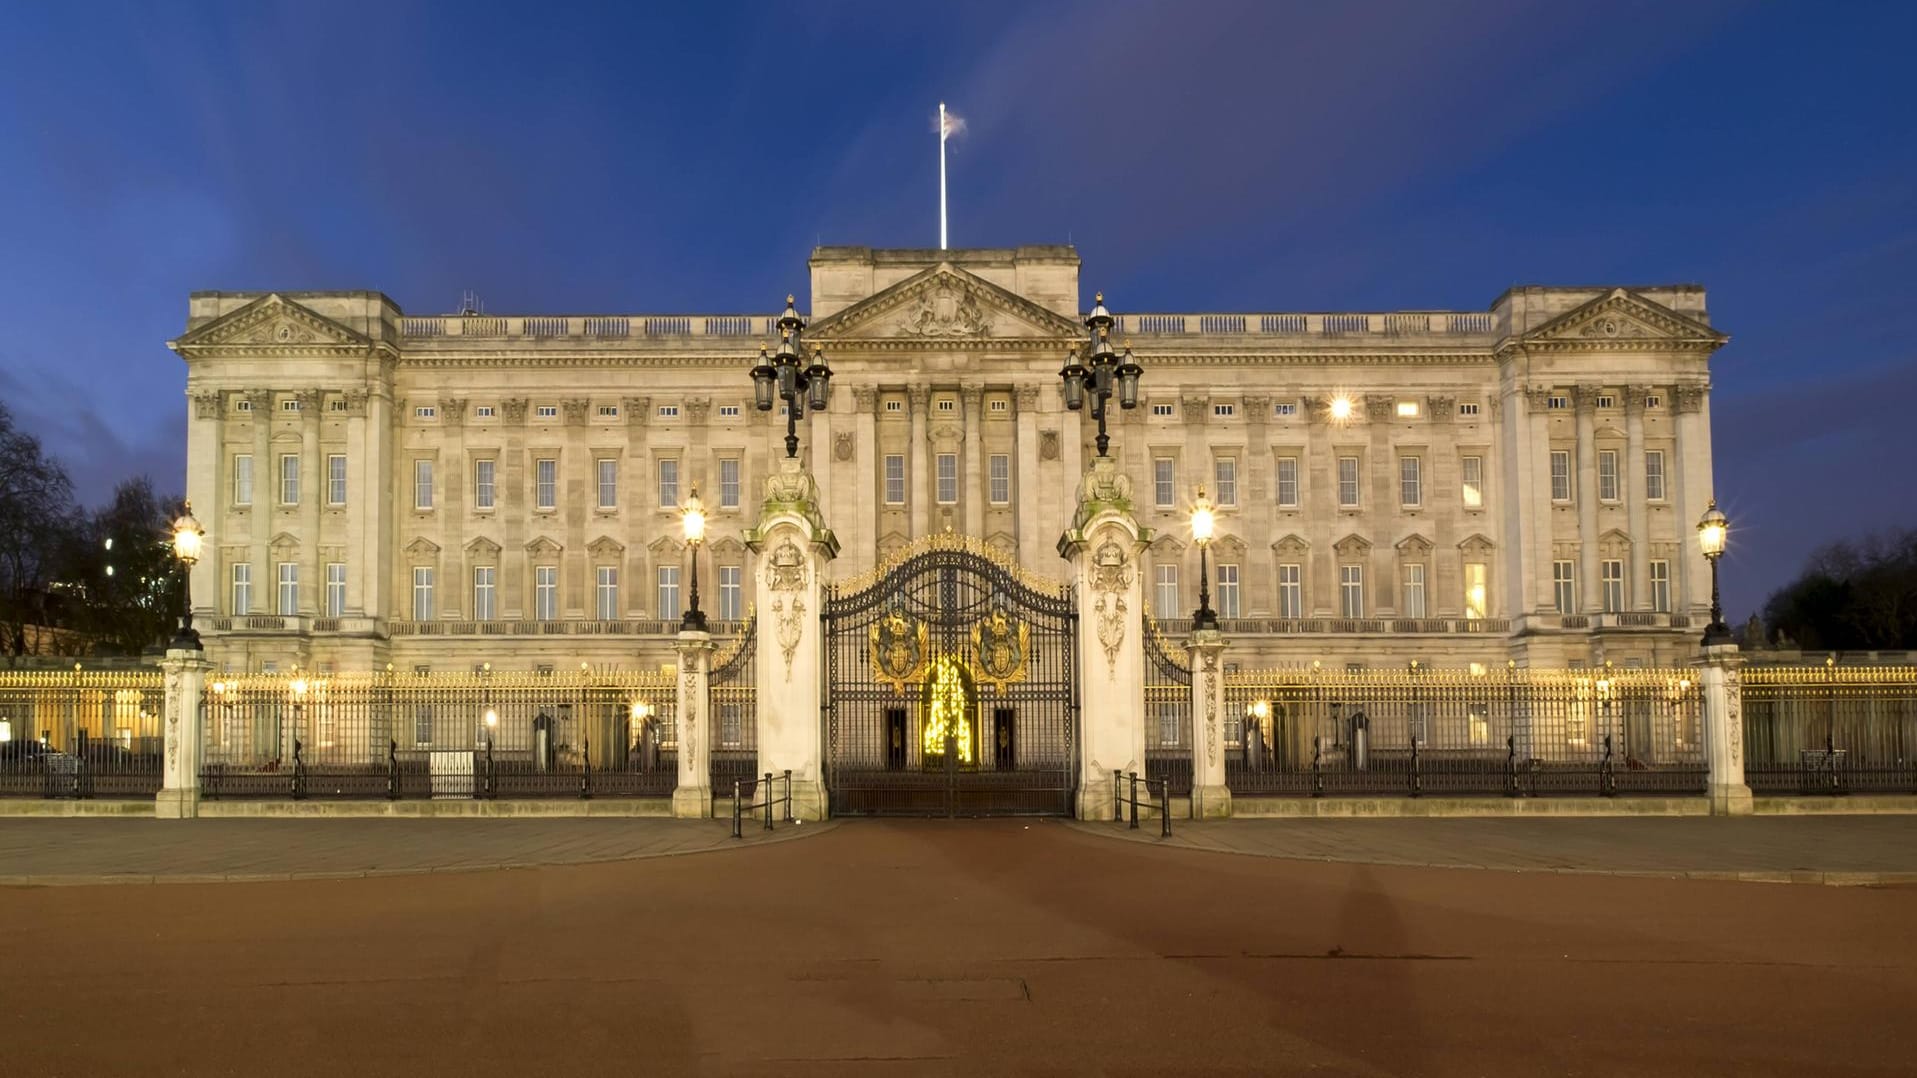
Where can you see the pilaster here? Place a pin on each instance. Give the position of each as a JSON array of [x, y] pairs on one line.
[[1636, 512], [1720, 685], [1210, 797], [973, 480], [1103, 545], [920, 401], [1590, 594]]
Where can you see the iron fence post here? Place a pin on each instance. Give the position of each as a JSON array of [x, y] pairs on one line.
[[1118, 799], [768, 801], [1164, 808], [788, 795], [737, 831], [1134, 801]]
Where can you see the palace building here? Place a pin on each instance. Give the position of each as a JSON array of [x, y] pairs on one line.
[[1518, 484]]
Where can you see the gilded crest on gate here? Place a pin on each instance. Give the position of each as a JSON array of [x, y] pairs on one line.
[[899, 653], [1000, 646]]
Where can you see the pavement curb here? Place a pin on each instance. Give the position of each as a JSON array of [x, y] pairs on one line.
[[1830, 878], [784, 834]]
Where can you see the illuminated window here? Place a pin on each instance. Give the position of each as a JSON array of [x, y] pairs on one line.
[[335, 589], [1473, 469], [1228, 604], [1165, 591], [1475, 593], [731, 593], [289, 595], [242, 588], [1408, 409], [668, 578]]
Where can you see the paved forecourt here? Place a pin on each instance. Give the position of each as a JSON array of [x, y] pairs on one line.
[[963, 947]]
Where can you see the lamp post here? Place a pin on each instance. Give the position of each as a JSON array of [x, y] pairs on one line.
[[187, 535], [1202, 522], [692, 519], [1099, 371], [1712, 531], [787, 375]]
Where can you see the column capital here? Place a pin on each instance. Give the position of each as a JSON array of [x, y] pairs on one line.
[[1537, 398], [865, 398], [1194, 406], [921, 398], [638, 410], [1585, 395], [208, 404], [1380, 407], [513, 408], [260, 399], [452, 410], [1026, 397], [1441, 409], [1686, 399], [1634, 399], [575, 410], [309, 403], [697, 408]]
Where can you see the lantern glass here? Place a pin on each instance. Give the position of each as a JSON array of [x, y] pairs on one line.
[[762, 379], [1074, 376]]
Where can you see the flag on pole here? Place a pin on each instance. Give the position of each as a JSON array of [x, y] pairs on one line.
[[950, 123]]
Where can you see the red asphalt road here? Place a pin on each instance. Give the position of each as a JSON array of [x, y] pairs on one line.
[[937, 947]]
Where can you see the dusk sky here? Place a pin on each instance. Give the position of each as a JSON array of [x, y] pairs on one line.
[[562, 158]]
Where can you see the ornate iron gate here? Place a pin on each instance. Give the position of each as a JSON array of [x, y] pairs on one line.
[[951, 687], [1168, 726], [733, 731]]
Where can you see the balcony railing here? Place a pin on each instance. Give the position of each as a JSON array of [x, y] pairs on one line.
[[1481, 324], [1394, 626], [614, 327], [300, 625]]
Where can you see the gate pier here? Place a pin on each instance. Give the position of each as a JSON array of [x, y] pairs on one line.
[[793, 546], [1103, 545]]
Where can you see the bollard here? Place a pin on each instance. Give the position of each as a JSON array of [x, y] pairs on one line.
[[788, 795], [1134, 800], [768, 801], [1164, 808], [737, 831], [1118, 799]]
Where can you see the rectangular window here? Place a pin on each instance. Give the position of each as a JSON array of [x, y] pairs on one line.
[[1165, 592], [335, 589], [946, 404], [1605, 400], [1473, 469], [1414, 591], [482, 484], [1469, 409], [1228, 605], [485, 592], [1654, 475], [1410, 481], [668, 592], [1000, 469], [608, 483], [1163, 410], [609, 411], [289, 479], [546, 592], [999, 404], [1408, 409], [1557, 404], [1564, 585], [606, 593], [1291, 591], [547, 411], [242, 405], [731, 594], [728, 482], [1224, 471], [1661, 586], [422, 484], [728, 411], [1560, 475], [289, 596], [242, 589], [422, 722], [291, 404], [1284, 411], [1653, 402], [948, 478], [1287, 482], [1348, 482], [1612, 574], [1351, 590], [545, 483], [1164, 482], [336, 479], [668, 411], [895, 406], [1476, 595], [1607, 475], [484, 411], [243, 479], [1224, 411], [422, 593], [894, 479], [668, 483], [426, 412]]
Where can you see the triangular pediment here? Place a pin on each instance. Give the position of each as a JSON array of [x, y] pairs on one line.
[[422, 547], [272, 321], [1293, 545], [1414, 544], [605, 547], [727, 546], [1476, 544], [482, 547], [663, 546], [945, 304], [1622, 319], [1352, 546], [543, 545]]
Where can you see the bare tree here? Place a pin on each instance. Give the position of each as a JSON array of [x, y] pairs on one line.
[[36, 509]]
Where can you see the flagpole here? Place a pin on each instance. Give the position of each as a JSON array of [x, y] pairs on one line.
[[941, 175]]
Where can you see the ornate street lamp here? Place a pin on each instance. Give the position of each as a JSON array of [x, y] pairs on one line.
[[799, 384], [187, 535], [1202, 522], [1711, 534], [1100, 371], [692, 518]]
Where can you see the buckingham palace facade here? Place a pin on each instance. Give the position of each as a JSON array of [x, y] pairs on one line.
[[1516, 484]]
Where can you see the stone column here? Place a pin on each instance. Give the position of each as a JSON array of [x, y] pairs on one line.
[[1257, 509], [692, 797], [920, 401], [972, 489], [209, 485], [1636, 511], [455, 585], [793, 546], [1690, 478], [1383, 507], [869, 475], [1720, 687], [1103, 545], [1210, 797], [1590, 593], [312, 568], [185, 671], [266, 501], [1026, 486], [1321, 519], [1542, 518]]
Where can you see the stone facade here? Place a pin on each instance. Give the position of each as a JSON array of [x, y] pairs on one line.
[[339, 451]]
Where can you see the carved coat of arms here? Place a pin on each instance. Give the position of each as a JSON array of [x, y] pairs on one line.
[[945, 311], [1000, 646], [898, 649]]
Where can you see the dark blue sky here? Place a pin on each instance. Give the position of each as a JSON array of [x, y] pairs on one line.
[[1203, 156]]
